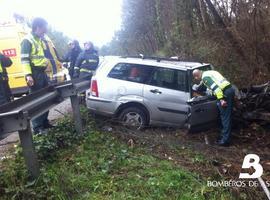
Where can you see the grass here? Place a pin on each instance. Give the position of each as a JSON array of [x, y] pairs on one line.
[[99, 166]]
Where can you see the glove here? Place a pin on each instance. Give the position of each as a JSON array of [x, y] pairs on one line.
[[223, 103]]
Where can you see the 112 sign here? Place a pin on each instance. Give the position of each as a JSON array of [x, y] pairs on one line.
[[10, 52]]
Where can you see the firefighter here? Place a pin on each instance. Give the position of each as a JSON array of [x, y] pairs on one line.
[[34, 61], [5, 93], [72, 55], [87, 61], [224, 92]]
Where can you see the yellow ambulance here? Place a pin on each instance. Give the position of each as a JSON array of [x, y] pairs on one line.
[[11, 35]]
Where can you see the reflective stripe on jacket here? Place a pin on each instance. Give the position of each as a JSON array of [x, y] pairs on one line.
[[1, 68], [33, 57], [50, 54], [86, 70], [215, 82], [87, 60]]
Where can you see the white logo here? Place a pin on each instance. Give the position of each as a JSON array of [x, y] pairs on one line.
[[252, 160]]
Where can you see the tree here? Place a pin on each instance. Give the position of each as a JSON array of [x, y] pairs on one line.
[[234, 35], [59, 40]]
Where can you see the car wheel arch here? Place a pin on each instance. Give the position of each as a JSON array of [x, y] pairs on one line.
[[133, 104]]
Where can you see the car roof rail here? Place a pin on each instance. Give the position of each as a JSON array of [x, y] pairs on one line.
[[158, 59]]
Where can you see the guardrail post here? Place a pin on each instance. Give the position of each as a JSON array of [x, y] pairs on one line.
[[76, 113], [28, 150]]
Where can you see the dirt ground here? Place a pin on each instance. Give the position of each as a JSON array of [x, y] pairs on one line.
[[198, 153], [195, 152]]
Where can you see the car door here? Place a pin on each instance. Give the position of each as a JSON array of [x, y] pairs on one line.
[[203, 113], [166, 96]]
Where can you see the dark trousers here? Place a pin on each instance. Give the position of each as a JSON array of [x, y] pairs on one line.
[[8, 91], [5, 93], [3, 98], [226, 115], [71, 72], [40, 81]]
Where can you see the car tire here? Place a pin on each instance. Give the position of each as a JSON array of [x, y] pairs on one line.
[[134, 118]]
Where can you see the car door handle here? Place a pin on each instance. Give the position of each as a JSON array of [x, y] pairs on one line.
[[156, 91]]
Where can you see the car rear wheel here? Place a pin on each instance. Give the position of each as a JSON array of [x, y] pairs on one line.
[[133, 118]]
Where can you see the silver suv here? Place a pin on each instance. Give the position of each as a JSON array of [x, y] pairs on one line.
[[150, 91]]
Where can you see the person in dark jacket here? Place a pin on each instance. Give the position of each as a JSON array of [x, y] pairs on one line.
[[5, 93], [87, 61], [72, 56]]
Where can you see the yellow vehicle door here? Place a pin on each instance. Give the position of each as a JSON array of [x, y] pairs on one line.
[[11, 35]]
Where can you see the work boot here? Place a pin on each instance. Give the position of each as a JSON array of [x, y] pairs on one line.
[[223, 143]]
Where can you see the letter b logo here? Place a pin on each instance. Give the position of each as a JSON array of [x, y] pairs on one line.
[[252, 160]]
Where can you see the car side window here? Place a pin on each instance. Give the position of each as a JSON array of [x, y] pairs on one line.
[[131, 72], [181, 80], [169, 78]]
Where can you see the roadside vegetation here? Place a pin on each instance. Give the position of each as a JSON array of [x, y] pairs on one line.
[[231, 35], [99, 165]]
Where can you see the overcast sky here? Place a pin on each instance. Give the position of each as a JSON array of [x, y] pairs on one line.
[[94, 20]]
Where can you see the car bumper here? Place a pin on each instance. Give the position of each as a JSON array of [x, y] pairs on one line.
[[100, 106]]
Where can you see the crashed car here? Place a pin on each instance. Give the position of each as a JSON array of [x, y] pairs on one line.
[[150, 91]]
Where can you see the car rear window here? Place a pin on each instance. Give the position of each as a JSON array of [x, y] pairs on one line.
[[131, 72]]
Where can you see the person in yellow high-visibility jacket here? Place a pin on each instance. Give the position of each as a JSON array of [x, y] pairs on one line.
[[35, 63], [224, 92]]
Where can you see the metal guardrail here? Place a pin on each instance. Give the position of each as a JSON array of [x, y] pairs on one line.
[[16, 116]]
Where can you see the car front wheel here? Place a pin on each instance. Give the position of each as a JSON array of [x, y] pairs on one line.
[[134, 118]]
